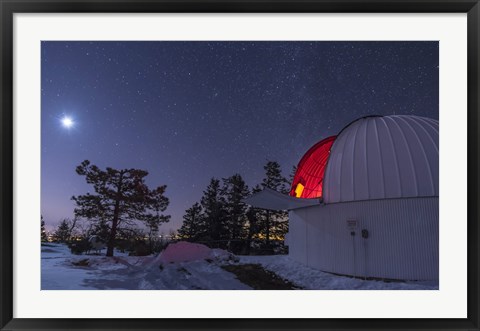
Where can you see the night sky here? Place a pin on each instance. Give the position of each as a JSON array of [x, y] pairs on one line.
[[189, 111]]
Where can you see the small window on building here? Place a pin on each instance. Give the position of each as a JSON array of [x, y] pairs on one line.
[[299, 190]]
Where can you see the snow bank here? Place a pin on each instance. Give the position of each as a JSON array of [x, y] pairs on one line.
[[222, 255], [186, 252]]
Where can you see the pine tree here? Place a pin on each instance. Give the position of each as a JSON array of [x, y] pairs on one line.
[[255, 221], [172, 234], [213, 205], [274, 178], [43, 233], [101, 229], [153, 222], [292, 175], [235, 191], [276, 222], [63, 231], [193, 226], [121, 197]]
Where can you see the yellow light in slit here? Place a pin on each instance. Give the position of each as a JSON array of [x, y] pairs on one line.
[[299, 190]]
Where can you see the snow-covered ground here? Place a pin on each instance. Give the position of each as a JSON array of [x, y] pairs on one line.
[[123, 272], [185, 268], [312, 279]]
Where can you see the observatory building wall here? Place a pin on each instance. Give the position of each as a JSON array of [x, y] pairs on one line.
[[401, 243]]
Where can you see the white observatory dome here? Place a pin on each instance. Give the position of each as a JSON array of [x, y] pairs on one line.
[[382, 157]]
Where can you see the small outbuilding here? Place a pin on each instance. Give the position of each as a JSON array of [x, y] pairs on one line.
[[365, 202]]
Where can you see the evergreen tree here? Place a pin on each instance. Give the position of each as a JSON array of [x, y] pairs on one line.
[[235, 191], [43, 233], [63, 231], [172, 234], [276, 222], [153, 225], [274, 178], [213, 205], [292, 176], [101, 229], [121, 196], [254, 221], [193, 226]]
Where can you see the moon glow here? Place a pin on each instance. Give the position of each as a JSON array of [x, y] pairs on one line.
[[67, 122]]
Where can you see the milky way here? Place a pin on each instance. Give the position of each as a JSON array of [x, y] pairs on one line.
[[189, 111]]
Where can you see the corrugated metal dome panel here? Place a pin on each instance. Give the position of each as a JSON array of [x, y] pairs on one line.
[[383, 157], [310, 170]]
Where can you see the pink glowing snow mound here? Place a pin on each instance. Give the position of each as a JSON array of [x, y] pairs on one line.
[[183, 251]]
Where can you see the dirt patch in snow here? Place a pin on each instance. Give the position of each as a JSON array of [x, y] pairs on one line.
[[81, 263], [255, 276]]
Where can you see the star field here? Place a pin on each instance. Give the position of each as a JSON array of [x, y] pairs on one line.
[[189, 111]]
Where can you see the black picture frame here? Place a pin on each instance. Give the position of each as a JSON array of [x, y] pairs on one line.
[[10, 7]]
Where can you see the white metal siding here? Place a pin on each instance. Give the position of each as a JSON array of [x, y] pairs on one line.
[[402, 243], [297, 238]]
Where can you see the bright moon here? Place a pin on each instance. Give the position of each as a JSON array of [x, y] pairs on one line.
[[67, 122]]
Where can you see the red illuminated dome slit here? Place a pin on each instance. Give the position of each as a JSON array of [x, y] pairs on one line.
[[308, 180]]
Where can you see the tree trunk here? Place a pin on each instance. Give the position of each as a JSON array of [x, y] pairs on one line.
[[113, 231], [116, 212], [249, 240], [74, 222], [267, 234]]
